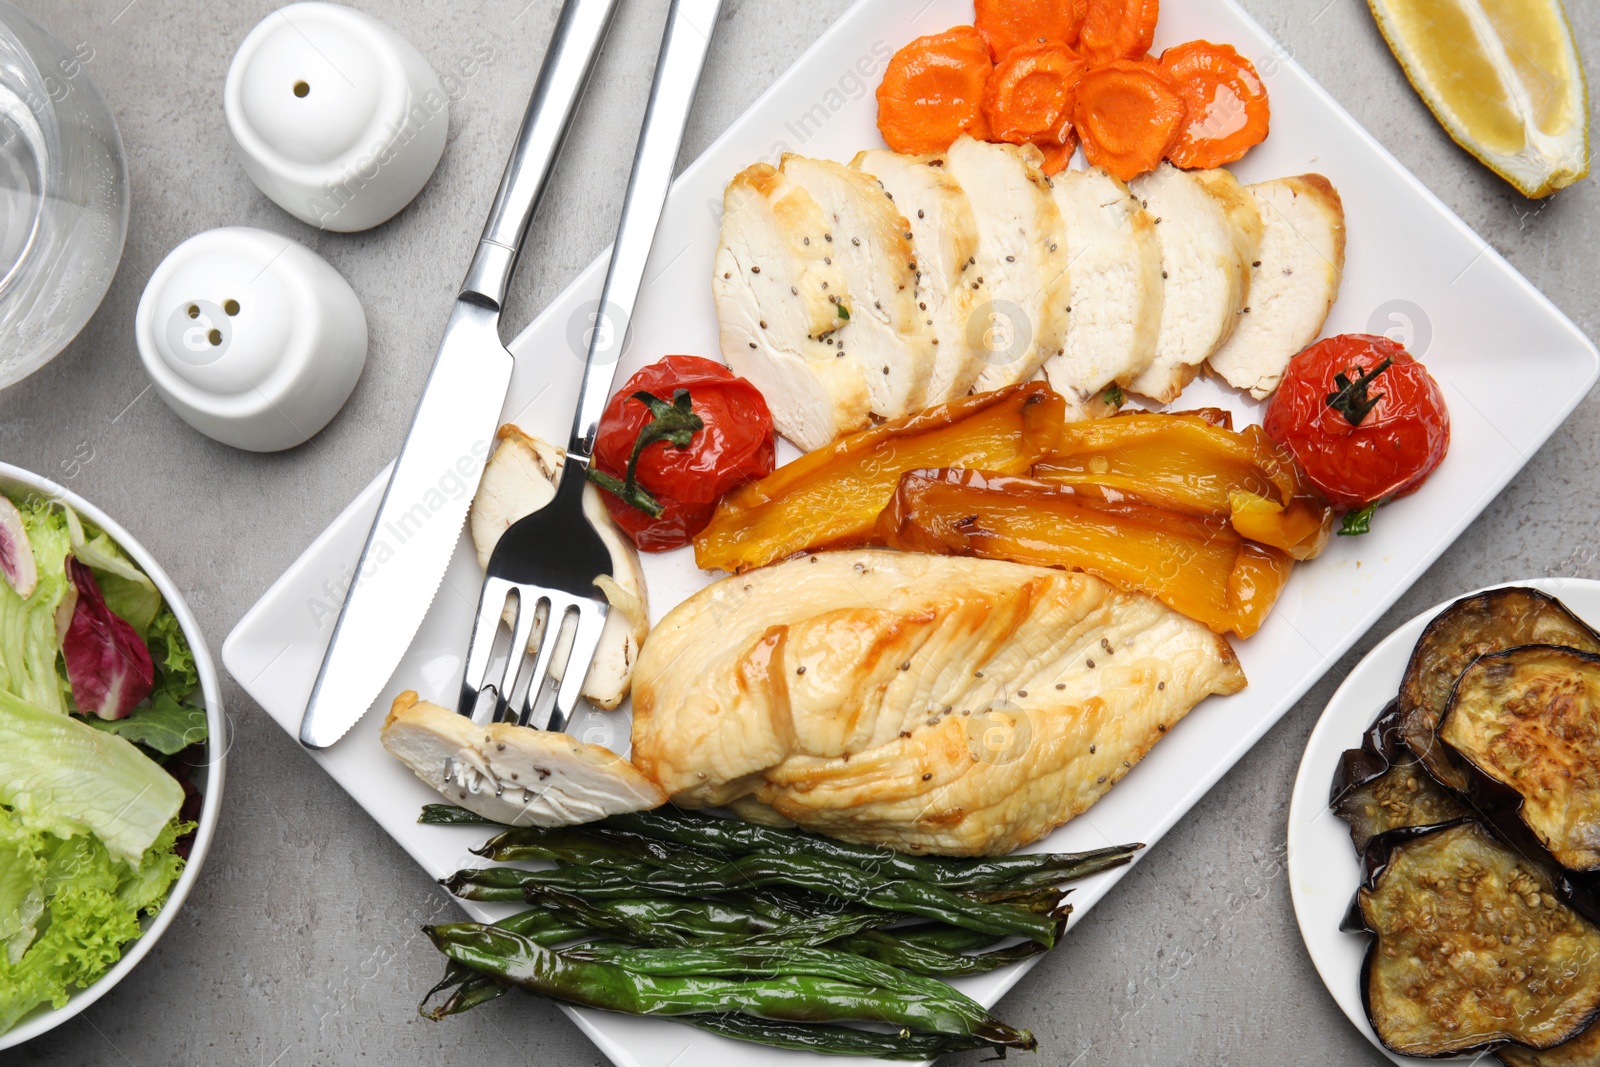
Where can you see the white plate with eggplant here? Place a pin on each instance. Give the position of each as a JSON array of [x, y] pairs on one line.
[[1442, 831]]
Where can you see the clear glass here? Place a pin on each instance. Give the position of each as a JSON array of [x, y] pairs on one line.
[[63, 194]]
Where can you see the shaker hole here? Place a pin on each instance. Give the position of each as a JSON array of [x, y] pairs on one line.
[[215, 337], [301, 89], [194, 311], [231, 306]]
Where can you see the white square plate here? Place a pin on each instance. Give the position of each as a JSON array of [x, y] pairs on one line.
[[1411, 264]]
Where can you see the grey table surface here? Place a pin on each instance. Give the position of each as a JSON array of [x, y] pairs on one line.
[[300, 943]]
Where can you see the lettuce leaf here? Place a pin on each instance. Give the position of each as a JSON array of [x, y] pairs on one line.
[[59, 776], [23, 861], [176, 674], [92, 906], [29, 640], [166, 726]]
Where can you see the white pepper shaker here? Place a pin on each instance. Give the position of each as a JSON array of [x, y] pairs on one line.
[[252, 338], [335, 116]]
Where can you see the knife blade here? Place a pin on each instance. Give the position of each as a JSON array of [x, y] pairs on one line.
[[425, 505], [418, 523]]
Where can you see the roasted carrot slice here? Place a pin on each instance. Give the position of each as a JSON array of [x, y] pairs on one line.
[[1008, 24], [1058, 154], [932, 92], [1207, 572], [1118, 29], [1227, 102], [1129, 117], [1031, 93]]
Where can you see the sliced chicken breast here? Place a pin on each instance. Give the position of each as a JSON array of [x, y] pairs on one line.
[[1293, 283], [929, 703], [945, 236], [513, 774], [883, 332], [1022, 258], [519, 479], [1210, 234], [777, 289], [1114, 260]]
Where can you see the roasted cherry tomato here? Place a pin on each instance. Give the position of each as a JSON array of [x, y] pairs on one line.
[[706, 430], [1365, 420]]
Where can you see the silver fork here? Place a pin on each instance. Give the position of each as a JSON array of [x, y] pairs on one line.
[[547, 562]]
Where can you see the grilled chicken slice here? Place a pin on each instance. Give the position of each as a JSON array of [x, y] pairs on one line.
[[945, 237], [1210, 234], [519, 479], [1293, 284], [885, 334], [772, 285], [934, 704], [1115, 264], [1022, 258], [513, 774]]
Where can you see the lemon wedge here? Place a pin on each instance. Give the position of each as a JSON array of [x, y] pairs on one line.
[[1503, 77]]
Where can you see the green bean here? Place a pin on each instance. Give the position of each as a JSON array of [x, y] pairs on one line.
[[722, 835], [708, 921], [733, 835], [837, 1040], [471, 990], [793, 998], [487, 883], [931, 960], [568, 844], [943, 935], [1039, 901], [753, 871], [450, 815], [540, 925], [771, 961]]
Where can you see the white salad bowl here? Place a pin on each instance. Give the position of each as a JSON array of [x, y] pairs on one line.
[[208, 780]]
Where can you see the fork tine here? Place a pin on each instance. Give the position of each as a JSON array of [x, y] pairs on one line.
[[548, 643], [528, 603], [585, 642], [491, 603]]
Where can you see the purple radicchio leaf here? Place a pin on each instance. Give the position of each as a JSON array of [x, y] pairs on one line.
[[107, 662]]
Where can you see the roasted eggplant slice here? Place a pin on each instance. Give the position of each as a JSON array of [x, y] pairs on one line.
[[1382, 786], [1487, 622], [1581, 1051], [1473, 947], [1529, 719]]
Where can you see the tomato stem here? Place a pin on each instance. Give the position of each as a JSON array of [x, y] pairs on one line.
[[675, 423], [1351, 399], [1358, 522]]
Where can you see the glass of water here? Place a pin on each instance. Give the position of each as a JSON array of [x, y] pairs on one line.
[[63, 194]]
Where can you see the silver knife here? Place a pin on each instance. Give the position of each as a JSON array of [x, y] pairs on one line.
[[425, 506]]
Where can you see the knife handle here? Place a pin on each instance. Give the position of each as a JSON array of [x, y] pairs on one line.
[[568, 61], [684, 45]]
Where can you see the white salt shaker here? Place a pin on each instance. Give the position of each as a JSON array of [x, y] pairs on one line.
[[252, 338], [335, 116]]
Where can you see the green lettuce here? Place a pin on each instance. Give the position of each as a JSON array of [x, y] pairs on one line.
[[29, 643], [60, 776], [176, 674], [89, 908], [166, 726]]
